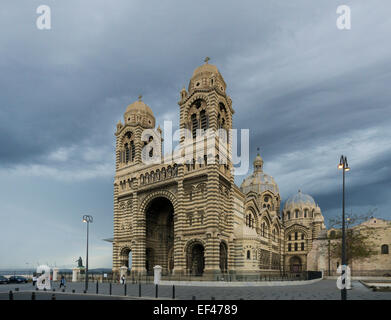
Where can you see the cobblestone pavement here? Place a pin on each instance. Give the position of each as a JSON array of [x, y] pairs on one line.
[[322, 290]]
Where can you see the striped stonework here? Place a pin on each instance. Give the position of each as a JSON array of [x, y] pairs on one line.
[[189, 216]]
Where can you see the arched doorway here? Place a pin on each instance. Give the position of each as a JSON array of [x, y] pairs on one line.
[[295, 264], [159, 215], [126, 257], [223, 257], [195, 259]]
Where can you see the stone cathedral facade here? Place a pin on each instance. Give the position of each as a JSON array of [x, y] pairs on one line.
[[191, 218]]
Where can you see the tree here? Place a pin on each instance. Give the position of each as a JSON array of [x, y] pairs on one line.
[[359, 238]]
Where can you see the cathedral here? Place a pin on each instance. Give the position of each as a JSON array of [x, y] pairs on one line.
[[190, 218]]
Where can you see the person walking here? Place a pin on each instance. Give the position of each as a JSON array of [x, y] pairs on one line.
[[123, 279], [34, 279], [62, 281]]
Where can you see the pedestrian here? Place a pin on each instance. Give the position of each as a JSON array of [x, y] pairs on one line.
[[62, 281], [123, 279], [34, 279]]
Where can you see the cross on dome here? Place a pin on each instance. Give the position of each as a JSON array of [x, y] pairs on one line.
[[207, 59]]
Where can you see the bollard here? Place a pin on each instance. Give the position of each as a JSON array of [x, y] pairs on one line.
[[110, 288], [63, 290], [73, 291], [97, 287], [139, 289], [36, 289], [84, 291], [16, 289], [173, 292], [212, 298], [156, 291], [193, 297], [53, 296], [125, 289], [33, 296], [54, 290], [11, 295]]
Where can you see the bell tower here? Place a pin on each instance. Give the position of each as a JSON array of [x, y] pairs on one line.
[[208, 182]]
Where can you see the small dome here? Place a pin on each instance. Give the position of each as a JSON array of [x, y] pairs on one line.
[[259, 181], [205, 68], [139, 113], [207, 76], [300, 200]]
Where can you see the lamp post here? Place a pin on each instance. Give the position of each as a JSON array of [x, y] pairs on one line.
[[343, 164], [88, 219]]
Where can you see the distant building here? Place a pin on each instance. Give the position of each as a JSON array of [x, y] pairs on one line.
[[379, 241]]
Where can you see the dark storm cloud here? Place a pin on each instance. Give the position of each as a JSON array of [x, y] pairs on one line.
[[306, 90]]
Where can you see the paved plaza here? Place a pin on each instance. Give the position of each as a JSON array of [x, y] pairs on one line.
[[322, 290]]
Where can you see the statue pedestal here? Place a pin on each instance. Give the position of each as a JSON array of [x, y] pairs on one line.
[[75, 274], [55, 274], [157, 273]]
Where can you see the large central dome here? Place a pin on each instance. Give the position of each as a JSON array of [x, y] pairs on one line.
[[300, 200]]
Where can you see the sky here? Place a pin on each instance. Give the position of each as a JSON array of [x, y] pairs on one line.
[[307, 91]]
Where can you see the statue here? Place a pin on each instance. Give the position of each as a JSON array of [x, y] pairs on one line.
[[79, 262]]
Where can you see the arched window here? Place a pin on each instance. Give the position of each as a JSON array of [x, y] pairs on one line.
[[248, 255], [289, 247], [305, 213], [289, 215], [264, 230], [296, 235], [296, 247], [296, 214], [222, 116], [302, 246], [128, 152], [203, 120], [384, 249], [302, 236], [132, 151], [198, 118], [194, 125], [250, 221]]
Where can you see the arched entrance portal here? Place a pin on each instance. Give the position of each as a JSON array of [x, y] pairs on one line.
[[195, 259], [126, 257], [159, 234], [295, 264], [223, 257]]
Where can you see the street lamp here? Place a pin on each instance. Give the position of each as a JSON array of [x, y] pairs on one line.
[[343, 164], [88, 219]]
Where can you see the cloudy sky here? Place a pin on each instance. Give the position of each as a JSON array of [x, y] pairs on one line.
[[307, 91]]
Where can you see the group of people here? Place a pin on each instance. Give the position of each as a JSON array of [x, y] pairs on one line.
[[122, 280], [62, 280]]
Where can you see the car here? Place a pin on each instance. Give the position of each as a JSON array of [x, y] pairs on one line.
[[3, 279], [17, 279]]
